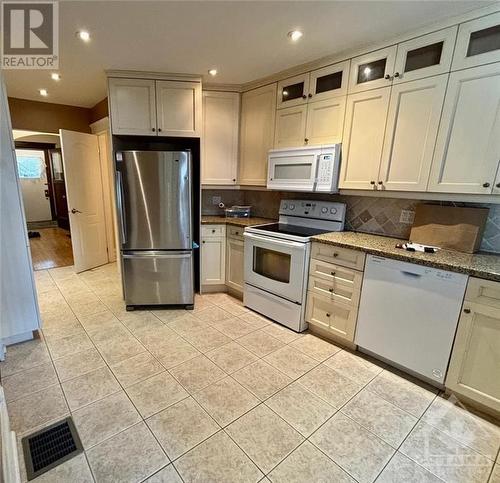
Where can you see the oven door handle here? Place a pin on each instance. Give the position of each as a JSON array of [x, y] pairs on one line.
[[252, 236]]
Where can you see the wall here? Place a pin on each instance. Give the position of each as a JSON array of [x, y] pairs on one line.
[[48, 117], [99, 111], [364, 213]]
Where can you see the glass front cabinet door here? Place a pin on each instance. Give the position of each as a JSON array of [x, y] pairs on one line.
[[478, 42], [329, 82], [372, 70], [425, 56], [293, 91]]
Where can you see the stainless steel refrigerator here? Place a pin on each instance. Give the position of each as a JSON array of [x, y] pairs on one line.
[[153, 193]]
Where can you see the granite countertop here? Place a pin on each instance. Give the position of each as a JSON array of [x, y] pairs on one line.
[[478, 265], [218, 220]]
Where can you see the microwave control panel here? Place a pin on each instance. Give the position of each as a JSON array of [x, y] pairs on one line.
[[327, 172]]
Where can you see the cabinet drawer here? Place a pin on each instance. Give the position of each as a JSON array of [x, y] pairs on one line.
[[335, 273], [338, 256], [213, 230], [337, 292], [338, 318], [235, 231], [484, 292]]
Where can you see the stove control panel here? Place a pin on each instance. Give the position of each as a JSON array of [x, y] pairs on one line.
[[320, 210]]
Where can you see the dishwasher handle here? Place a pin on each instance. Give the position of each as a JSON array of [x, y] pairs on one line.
[[411, 274]]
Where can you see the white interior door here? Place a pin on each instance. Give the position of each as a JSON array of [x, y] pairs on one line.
[[82, 169]]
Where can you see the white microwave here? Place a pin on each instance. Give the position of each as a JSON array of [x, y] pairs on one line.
[[313, 169]]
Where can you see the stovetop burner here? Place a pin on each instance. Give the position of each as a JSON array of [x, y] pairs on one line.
[[288, 229]]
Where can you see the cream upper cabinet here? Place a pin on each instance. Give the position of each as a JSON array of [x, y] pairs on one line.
[[373, 70], [258, 111], [329, 82], [475, 357], [478, 42], [364, 128], [410, 134], [290, 127], [178, 108], [425, 56], [325, 121], [292, 91], [219, 153], [467, 151], [132, 103]]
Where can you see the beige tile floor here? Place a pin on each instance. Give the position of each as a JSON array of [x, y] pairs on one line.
[[221, 394]]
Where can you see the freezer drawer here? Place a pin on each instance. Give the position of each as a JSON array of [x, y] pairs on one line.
[[158, 278]]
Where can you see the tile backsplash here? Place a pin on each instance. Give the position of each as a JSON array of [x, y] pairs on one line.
[[364, 213]]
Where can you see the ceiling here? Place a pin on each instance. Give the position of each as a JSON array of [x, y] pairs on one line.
[[244, 40]]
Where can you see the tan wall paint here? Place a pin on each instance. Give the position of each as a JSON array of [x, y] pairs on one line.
[[48, 117], [99, 111]]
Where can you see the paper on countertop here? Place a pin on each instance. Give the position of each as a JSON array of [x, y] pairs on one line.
[[417, 247]]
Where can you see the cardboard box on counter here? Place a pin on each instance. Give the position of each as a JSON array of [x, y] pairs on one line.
[[450, 227]]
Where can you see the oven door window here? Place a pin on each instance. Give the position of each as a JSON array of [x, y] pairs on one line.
[[272, 264]]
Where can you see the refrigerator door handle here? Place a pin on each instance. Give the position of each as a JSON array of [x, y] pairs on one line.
[[121, 205]]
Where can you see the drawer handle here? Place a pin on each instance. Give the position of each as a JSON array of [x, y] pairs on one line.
[[327, 314], [467, 311]]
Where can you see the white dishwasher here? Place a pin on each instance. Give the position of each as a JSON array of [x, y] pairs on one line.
[[408, 315]]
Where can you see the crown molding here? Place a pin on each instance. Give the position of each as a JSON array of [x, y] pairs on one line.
[[134, 74]]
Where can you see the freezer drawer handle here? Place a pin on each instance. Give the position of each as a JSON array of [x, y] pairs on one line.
[[157, 255]]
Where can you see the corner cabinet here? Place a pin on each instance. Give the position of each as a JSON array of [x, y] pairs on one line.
[[149, 107], [475, 358], [219, 152], [467, 150], [258, 111]]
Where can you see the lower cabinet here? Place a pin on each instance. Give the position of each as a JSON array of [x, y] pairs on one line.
[[334, 290], [213, 255], [235, 259], [475, 359]]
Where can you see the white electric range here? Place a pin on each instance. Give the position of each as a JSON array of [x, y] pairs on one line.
[[277, 259]]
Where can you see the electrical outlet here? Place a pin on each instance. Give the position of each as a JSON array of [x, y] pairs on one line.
[[216, 200], [407, 217]]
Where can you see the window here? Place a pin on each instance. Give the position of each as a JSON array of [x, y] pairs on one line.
[[30, 163]]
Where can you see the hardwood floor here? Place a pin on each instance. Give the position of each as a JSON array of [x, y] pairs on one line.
[[53, 249]]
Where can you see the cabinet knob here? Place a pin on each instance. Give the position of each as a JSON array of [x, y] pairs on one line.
[[372, 182], [498, 185], [327, 314], [234, 180], [332, 274], [159, 129], [330, 290], [306, 140], [153, 129], [486, 185], [467, 311], [387, 76], [309, 95], [335, 254], [237, 233], [304, 96], [213, 231], [203, 241], [396, 74]]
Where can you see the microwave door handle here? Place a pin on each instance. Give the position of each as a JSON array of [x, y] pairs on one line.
[[268, 240]]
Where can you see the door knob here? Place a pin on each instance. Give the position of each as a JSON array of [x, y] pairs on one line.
[[73, 210]]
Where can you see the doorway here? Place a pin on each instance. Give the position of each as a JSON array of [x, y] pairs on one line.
[[41, 179]]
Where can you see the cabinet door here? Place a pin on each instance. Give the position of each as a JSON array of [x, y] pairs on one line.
[[220, 137], [235, 263], [468, 144], [132, 103], [178, 108], [478, 42], [258, 111], [425, 56], [290, 127], [329, 81], [411, 132], [363, 138], [372, 70], [325, 121], [293, 91], [475, 358], [213, 261]]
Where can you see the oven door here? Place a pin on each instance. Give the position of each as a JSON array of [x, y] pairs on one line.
[[293, 171], [277, 266]]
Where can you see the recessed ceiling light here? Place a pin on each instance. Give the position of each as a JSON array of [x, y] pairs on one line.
[[43, 92], [55, 76], [212, 71], [83, 35], [295, 35]]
